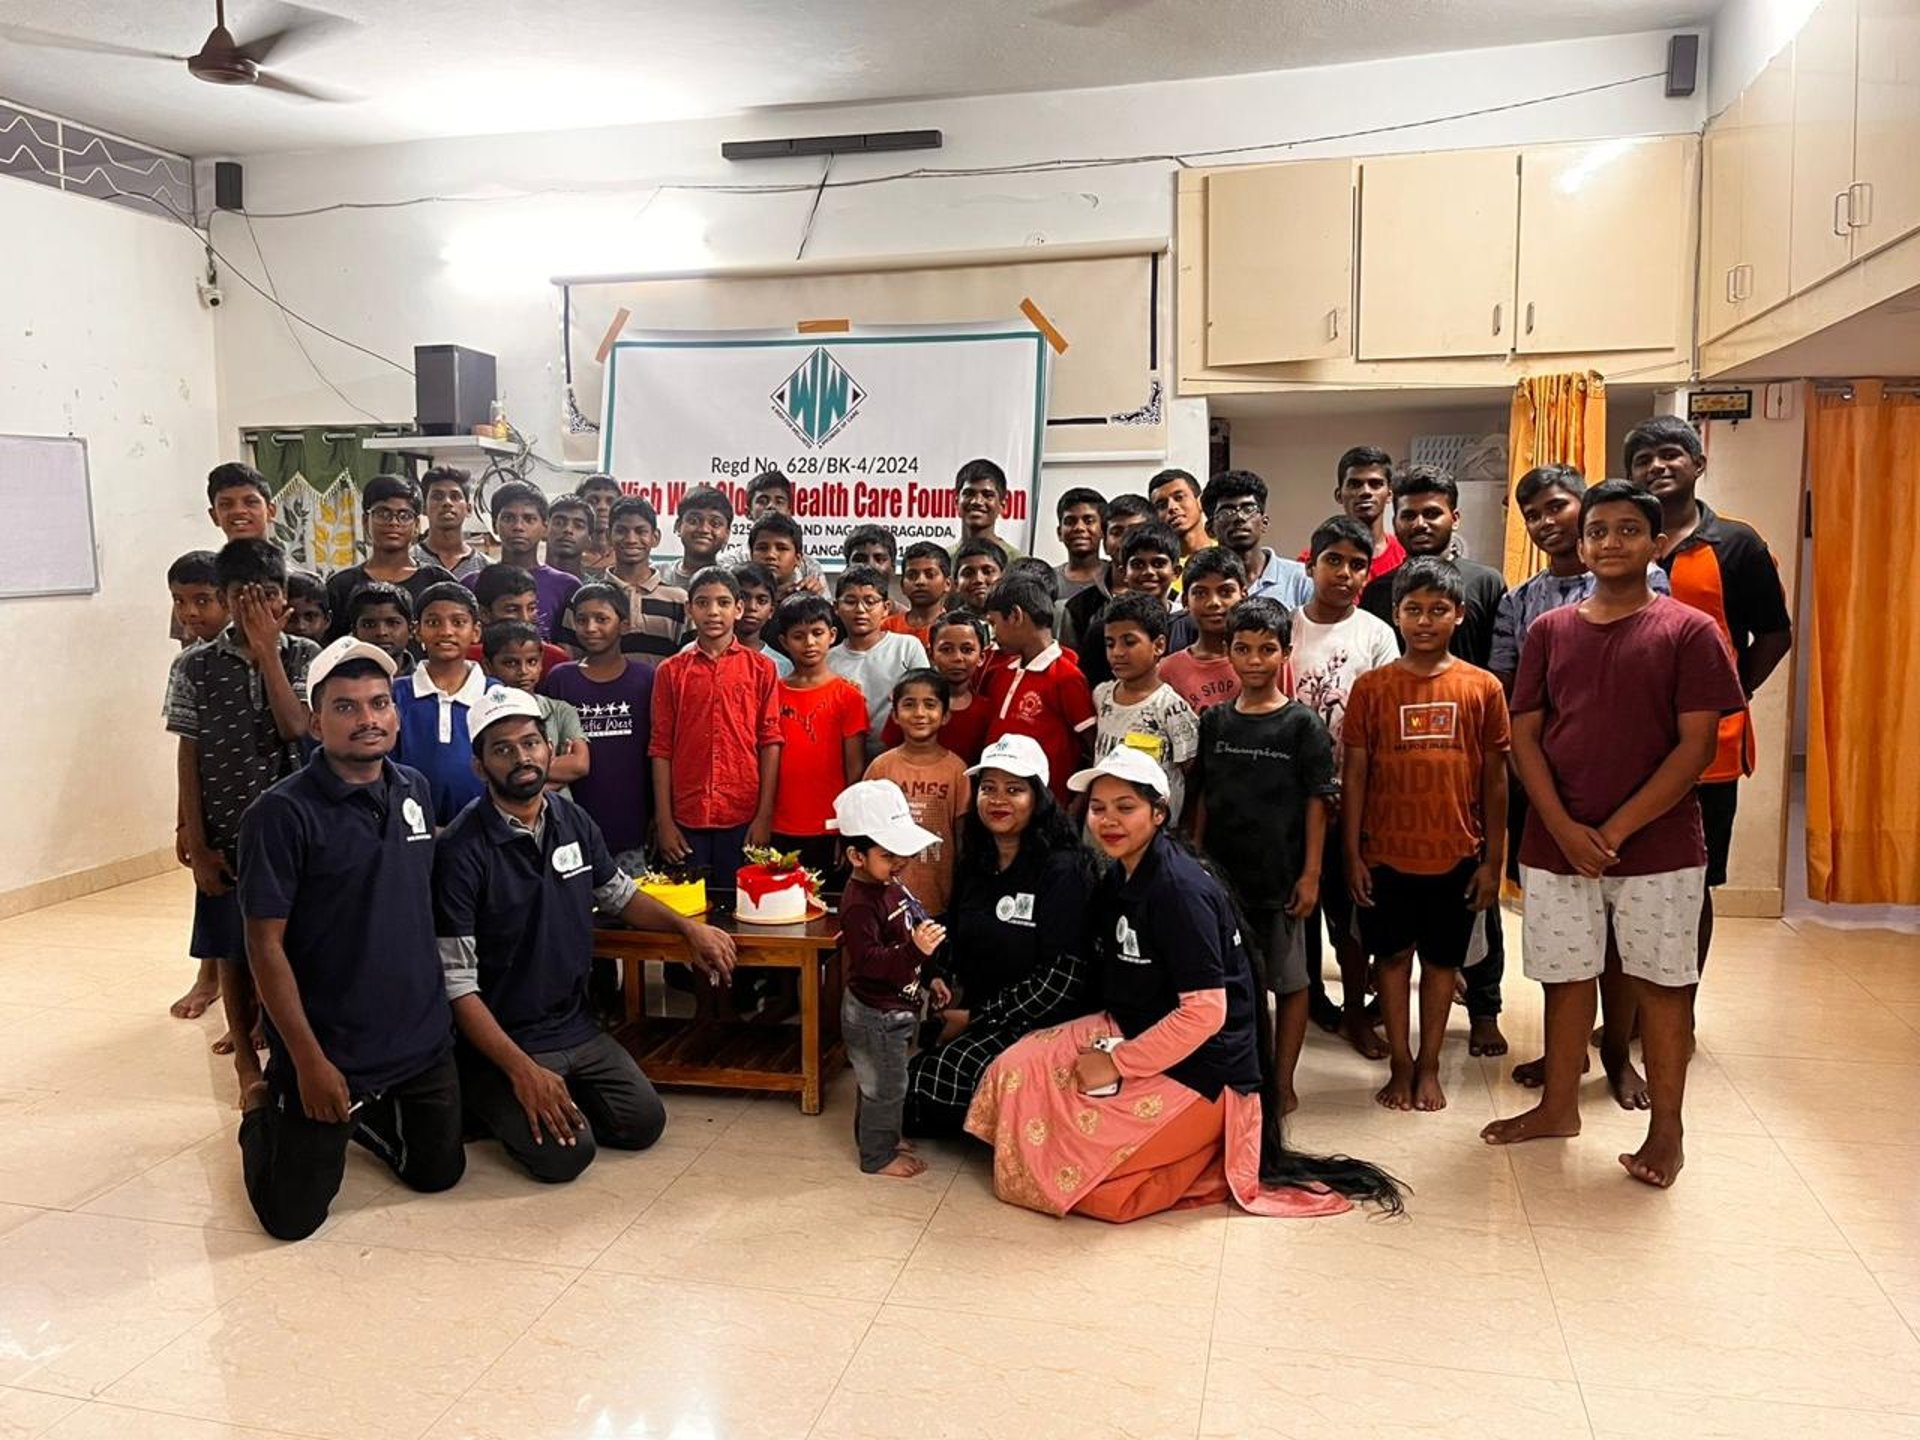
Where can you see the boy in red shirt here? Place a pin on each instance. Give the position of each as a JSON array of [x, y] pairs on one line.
[[1040, 691], [823, 724], [1424, 817], [716, 741]]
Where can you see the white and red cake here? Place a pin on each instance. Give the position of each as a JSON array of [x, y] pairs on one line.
[[770, 896]]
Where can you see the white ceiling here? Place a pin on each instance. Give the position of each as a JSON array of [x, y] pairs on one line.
[[427, 68]]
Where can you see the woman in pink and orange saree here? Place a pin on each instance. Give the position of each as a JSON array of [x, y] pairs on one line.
[[1164, 1099]]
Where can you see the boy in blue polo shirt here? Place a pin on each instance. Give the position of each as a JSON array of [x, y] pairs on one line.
[[433, 701], [239, 709], [516, 879], [335, 866]]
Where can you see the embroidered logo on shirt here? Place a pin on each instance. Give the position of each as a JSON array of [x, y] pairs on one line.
[[567, 860], [1129, 942], [1014, 909], [1434, 720], [1032, 703], [415, 817]]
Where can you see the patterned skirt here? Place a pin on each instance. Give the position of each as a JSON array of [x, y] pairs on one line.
[[1052, 1145]]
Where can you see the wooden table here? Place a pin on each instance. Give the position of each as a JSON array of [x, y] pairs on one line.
[[731, 1054]]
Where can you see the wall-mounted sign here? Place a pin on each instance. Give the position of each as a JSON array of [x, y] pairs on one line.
[[1719, 405]]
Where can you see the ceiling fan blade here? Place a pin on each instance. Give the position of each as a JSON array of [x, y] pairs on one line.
[[294, 90], [27, 35], [296, 30]]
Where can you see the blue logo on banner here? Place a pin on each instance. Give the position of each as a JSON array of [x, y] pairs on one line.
[[818, 399]]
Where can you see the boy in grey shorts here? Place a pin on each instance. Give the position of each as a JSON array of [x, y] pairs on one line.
[[1615, 714]]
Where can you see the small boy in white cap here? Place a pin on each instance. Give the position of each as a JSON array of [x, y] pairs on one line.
[[887, 936]]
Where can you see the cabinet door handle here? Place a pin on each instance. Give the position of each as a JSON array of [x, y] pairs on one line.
[[1842, 200], [1731, 297], [1860, 203], [1746, 282], [1496, 319], [1529, 317], [1333, 323]]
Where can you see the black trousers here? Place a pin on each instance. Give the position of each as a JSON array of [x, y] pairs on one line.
[[293, 1165], [1483, 980], [622, 1108]]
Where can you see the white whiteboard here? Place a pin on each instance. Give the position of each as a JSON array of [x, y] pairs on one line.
[[46, 548]]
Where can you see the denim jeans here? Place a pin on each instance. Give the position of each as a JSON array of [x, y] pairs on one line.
[[877, 1042]]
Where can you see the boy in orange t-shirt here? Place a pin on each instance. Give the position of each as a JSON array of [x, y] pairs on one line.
[[933, 779], [1423, 818], [823, 720]]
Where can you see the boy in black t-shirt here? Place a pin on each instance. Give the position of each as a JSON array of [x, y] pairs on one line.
[[1260, 787]]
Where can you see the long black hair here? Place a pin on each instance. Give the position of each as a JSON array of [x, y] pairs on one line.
[[1280, 1165], [1049, 831]]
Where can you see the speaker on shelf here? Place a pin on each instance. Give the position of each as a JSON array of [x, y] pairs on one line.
[[1683, 65], [453, 389]]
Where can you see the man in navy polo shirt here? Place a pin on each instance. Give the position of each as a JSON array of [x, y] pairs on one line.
[[515, 883], [335, 864]]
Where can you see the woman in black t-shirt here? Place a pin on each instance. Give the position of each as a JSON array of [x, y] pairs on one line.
[[1016, 931], [1164, 1097]]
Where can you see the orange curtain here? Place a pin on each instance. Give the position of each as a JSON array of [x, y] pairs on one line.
[[1863, 788], [1557, 420]]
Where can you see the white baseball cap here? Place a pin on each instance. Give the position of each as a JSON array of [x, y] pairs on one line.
[[1016, 755], [878, 810], [501, 702], [1123, 762], [339, 653]]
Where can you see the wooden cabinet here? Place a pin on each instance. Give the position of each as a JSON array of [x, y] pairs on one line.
[[1605, 246], [1437, 247], [1886, 193], [1723, 168], [1279, 282], [1823, 56], [1749, 203]]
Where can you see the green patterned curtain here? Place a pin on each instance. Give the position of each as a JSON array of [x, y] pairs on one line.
[[316, 474]]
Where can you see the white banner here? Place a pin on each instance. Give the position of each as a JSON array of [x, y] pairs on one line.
[[870, 425]]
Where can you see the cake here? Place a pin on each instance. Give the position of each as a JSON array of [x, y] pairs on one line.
[[774, 889], [683, 897]]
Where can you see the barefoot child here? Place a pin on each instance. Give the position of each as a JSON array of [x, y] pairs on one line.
[[1616, 713], [1334, 644], [823, 728], [887, 938], [199, 614], [1137, 708], [239, 709], [1424, 814], [933, 779], [1263, 785]]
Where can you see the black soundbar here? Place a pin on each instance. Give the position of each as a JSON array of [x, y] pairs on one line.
[[830, 145]]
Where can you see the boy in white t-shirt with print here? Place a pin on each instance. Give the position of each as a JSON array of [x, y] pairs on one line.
[[1137, 708], [1334, 644], [871, 657]]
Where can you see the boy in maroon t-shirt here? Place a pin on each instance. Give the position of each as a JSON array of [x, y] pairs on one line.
[[1616, 713]]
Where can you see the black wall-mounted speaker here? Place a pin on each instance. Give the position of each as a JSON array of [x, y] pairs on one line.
[[229, 192], [1683, 65], [453, 388]]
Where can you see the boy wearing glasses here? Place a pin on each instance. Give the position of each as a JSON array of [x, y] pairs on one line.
[[390, 508], [872, 657], [1235, 504]]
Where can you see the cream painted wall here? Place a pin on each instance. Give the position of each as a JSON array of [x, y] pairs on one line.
[[476, 273], [1754, 473], [101, 335]]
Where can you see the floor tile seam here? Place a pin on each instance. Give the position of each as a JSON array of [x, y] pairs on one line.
[[243, 1426], [1670, 1392], [1854, 1249]]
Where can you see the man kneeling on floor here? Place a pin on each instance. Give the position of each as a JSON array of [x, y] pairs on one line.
[[335, 862], [515, 883]]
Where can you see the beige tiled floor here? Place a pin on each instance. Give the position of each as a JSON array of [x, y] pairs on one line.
[[744, 1280]]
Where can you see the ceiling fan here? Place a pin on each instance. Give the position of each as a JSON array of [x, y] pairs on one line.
[[221, 59]]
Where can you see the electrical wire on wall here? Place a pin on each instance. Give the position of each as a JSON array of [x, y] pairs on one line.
[[1062, 164]]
